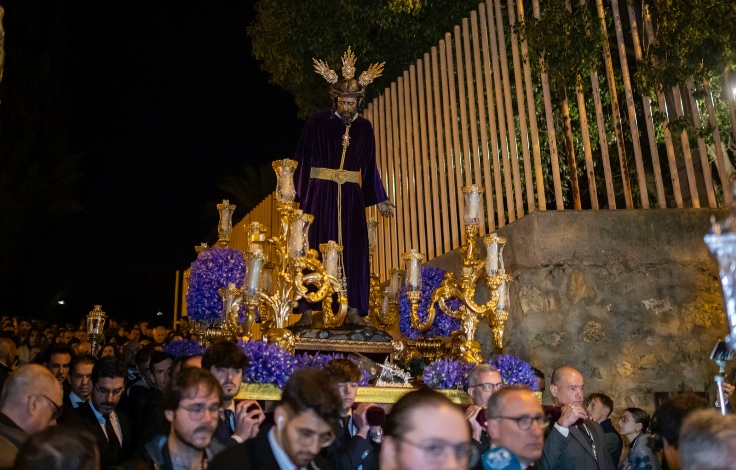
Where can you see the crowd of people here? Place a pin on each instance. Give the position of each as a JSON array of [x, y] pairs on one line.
[[137, 407]]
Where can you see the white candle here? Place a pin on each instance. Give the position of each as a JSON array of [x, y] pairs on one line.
[[492, 257], [502, 299], [414, 272], [254, 264], [385, 304], [330, 259], [296, 237]]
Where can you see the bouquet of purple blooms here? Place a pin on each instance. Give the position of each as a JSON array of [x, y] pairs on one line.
[[514, 371], [184, 348], [267, 363], [213, 269], [447, 373]]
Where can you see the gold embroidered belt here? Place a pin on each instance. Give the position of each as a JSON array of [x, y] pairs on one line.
[[338, 176]]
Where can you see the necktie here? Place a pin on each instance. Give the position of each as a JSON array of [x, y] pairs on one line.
[[229, 419], [346, 426], [112, 437]]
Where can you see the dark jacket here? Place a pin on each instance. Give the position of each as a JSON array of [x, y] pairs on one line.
[[255, 454], [348, 453], [156, 456], [84, 418], [614, 441]]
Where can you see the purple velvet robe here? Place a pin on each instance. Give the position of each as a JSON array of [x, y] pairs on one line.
[[320, 146]]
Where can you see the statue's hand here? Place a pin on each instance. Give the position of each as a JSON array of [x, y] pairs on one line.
[[386, 208]]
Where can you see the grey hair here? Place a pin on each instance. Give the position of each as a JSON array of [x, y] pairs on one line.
[[479, 369], [30, 377], [708, 441]]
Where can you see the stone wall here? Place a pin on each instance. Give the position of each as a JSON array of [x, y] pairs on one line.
[[630, 298]]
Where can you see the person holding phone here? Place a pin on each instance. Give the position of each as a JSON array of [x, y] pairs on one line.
[[357, 439]]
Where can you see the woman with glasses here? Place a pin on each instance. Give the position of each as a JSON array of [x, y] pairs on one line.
[[425, 430], [633, 424]]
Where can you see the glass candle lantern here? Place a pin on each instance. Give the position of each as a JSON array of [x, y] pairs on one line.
[[330, 257], [491, 243], [413, 264], [96, 321], [267, 278], [298, 241], [253, 266], [473, 198], [394, 285], [285, 190], [372, 234], [226, 219]]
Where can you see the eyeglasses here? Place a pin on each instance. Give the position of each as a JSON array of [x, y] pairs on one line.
[[490, 387], [57, 409], [436, 450], [625, 419], [525, 422], [106, 392], [196, 412]]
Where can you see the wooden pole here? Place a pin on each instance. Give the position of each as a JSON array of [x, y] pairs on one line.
[[720, 157], [704, 163]]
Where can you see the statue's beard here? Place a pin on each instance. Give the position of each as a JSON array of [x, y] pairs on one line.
[[347, 117]]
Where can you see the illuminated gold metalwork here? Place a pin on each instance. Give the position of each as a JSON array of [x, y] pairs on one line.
[[95, 327], [373, 71], [225, 227]]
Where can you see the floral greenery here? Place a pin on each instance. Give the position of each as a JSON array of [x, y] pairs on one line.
[[213, 269], [443, 324], [267, 363], [514, 371], [184, 348], [270, 364], [447, 374]]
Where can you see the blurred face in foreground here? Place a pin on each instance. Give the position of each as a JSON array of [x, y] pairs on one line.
[[508, 427], [439, 439]]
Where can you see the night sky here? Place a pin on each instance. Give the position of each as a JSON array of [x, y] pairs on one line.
[[158, 101]]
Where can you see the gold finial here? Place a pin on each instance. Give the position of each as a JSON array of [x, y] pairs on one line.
[[323, 69], [372, 73], [348, 65]]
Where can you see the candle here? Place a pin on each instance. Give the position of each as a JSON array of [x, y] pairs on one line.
[[372, 233], [330, 258], [385, 304], [284, 169], [491, 255], [296, 237], [472, 198], [253, 266], [413, 270], [502, 298], [394, 285]]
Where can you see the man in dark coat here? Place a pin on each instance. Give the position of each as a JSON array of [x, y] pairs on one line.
[[309, 408], [97, 415], [574, 442]]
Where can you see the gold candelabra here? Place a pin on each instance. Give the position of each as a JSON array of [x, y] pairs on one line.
[[95, 327], [296, 268], [464, 345]]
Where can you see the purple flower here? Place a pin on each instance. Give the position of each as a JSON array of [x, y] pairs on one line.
[[318, 361], [514, 371], [267, 363], [213, 269], [443, 324], [184, 348], [447, 373]]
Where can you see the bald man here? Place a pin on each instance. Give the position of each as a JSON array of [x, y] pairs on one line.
[[575, 442], [30, 402], [7, 359]]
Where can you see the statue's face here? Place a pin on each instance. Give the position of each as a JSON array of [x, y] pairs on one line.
[[347, 108]]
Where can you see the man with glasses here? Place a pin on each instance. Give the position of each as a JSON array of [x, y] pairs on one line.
[[310, 405], [191, 406], [516, 421], [30, 402], [483, 381], [426, 431], [97, 415], [575, 442]]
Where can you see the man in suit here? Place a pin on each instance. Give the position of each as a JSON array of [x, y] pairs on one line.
[[31, 402], [516, 421], [356, 443], [574, 442], [57, 358], [80, 382], [309, 408], [192, 407], [237, 423], [483, 381], [98, 416]]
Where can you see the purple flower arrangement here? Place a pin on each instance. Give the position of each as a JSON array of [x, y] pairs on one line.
[[213, 269], [514, 371], [184, 348], [317, 361], [447, 373], [267, 363], [443, 324]]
